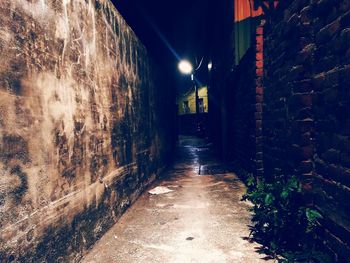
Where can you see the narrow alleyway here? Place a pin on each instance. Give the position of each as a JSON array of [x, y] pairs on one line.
[[202, 220], [93, 94]]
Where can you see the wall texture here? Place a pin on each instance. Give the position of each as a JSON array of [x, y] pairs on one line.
[[306, 118], [287, 112], [79, 125]]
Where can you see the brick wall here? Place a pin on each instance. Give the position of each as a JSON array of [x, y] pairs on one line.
[[259, 99], [243, 106], [236, 93], [306, 123], [80, 125], [331, 104], [244, 100]]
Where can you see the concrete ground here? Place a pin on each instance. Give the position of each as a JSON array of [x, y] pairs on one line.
[[202, 220]]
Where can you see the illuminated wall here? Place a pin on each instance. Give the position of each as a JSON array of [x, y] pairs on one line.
[[190, 100], [83, 125]]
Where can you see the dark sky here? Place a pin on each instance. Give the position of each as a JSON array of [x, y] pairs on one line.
[[169, 28], [182, 23]]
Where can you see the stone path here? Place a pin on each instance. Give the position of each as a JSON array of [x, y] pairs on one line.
[[202, 220]]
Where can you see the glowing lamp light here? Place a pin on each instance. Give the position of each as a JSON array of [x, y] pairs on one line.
[[210, 65], [185, 67]]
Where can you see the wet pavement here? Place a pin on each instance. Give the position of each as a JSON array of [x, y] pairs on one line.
[[202, 220]]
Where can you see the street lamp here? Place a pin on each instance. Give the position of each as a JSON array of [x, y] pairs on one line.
[[210, 66], [186, 67]]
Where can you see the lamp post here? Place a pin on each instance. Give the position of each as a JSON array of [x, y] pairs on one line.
[[186, 68], [196, 101], [210, 67]]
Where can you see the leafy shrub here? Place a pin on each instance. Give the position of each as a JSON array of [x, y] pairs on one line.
[[281, 221]]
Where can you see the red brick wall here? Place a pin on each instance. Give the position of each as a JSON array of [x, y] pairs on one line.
[[246, 108], [306, 123], [259, 96]]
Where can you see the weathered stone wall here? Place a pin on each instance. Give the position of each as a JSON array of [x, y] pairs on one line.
[[80, 121], [306, 113]]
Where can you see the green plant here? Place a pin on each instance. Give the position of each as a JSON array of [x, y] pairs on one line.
[[281, 221]]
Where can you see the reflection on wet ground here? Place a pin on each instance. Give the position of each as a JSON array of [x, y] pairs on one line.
[[201, 220]]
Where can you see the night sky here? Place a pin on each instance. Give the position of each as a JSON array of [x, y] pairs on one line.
[[170, 30]]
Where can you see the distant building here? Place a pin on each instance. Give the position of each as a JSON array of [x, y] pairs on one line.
[[189, 123], [187, 102]]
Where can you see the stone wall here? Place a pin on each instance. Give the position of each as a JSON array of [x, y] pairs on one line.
[[306, 115], [80, 122]]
